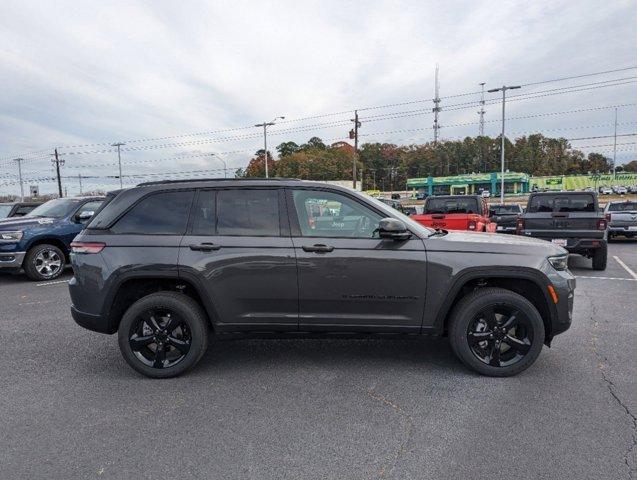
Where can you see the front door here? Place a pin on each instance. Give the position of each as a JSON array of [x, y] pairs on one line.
[[239, 249], [349, 279]]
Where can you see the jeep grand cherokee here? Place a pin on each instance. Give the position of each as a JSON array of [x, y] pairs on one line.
[[166, 264]]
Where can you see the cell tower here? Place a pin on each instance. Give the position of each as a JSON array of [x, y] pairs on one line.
[[436, 108], [481, 112]]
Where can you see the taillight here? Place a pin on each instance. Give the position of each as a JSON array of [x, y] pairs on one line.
[[608, 217], [601, 224], [519, 225], [87, 247], [472, 225]]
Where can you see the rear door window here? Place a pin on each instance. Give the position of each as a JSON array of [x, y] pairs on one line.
[[451, 205], [247, 212], [163, 213]]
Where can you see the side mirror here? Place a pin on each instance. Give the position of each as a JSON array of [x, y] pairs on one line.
[[85, 215], [393, 229]]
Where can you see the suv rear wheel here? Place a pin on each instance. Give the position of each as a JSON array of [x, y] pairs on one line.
[[44, 262], [163, 334], [496, 332]]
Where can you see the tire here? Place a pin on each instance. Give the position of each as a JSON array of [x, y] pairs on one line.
[[44, 262], [191, 331], [600, 257], [469, 310]]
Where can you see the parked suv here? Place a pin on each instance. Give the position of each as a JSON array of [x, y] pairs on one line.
[[39, 242], [166, 264], [622, 218]]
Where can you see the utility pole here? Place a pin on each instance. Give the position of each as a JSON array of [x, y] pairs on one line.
[[481, 112], [436, 108], [19, 162], [58, 163], [265, 126], [354, 135], [615, 147], [503, 89], [225, 165], [79, 177], [119, 161]]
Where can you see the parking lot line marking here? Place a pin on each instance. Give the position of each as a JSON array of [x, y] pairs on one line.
[[51, 283], [619, 260], [607, 278]]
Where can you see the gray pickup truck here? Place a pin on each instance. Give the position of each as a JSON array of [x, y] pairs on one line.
[[622, 218], [569, 219]]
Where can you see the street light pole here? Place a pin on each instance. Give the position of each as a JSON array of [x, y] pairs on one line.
[[119, 160], [225, 165], [265, 126], [502, 89], [19, 161], [615, 147]]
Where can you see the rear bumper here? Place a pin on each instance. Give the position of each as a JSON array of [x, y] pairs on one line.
[[89, 321], [623, 229], [12, 260]]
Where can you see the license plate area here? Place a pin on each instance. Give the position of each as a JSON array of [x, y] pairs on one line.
[[562, 242]]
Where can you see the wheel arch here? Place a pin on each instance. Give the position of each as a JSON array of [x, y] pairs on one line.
[[135, 285], [529, 283], [56, 242]]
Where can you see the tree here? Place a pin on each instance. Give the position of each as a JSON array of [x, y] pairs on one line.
[[630, 166], [256, 167], [314, 143], [287, 148]]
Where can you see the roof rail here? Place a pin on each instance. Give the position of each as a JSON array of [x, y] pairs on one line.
[[190, 180]]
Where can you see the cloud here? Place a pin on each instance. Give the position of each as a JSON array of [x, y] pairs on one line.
[[74, 73]]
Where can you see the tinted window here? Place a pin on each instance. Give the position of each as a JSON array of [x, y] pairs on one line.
[[248, 212], [327, 214], [451, 205], [162, 213], [622, 207], [562, 203], [204, 216], [506, 210], [23, 210]]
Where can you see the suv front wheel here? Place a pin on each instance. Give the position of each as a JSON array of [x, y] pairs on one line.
[[496, 332], [163, 334]]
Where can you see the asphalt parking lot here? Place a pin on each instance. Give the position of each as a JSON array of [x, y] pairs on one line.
[[358, 409]]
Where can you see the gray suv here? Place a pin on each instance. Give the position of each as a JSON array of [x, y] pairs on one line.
[[167, 264]]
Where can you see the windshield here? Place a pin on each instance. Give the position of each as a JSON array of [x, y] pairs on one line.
[[451, 205], [623, 207], [4, 210], [57, 208], [411, 224], [505, 209]]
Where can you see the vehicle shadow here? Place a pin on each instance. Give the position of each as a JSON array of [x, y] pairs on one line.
[[331, 353]]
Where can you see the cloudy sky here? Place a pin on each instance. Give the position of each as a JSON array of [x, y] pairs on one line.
[[177, 81]]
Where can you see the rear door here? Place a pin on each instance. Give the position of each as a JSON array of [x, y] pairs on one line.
[[349, 279], [238, 248]]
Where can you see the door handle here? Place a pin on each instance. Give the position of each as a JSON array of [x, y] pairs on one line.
[[204, 247], [317, 248]]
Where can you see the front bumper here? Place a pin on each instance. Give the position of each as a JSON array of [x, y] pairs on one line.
[[11, 260], [564, 284]]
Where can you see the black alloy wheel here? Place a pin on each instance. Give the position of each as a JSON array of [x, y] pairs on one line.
[[163, 334], [500, 335], [160, 338], [496, 331]]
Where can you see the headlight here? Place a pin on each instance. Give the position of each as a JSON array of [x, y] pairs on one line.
[[10, 236], [560, 262]]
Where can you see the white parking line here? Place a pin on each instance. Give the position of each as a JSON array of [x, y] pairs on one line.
[[51, 283], [619, 260], [607, 278]]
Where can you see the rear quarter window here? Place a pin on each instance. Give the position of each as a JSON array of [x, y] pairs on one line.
[[163, 213]]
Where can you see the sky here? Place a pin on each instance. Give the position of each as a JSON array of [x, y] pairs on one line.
[[180, 81]]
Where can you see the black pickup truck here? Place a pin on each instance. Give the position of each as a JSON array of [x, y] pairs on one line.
[[569, 219]]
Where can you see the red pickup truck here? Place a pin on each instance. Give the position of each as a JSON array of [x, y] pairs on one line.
[[456, 212]]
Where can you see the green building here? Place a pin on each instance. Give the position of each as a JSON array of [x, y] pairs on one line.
[[473, 183]]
